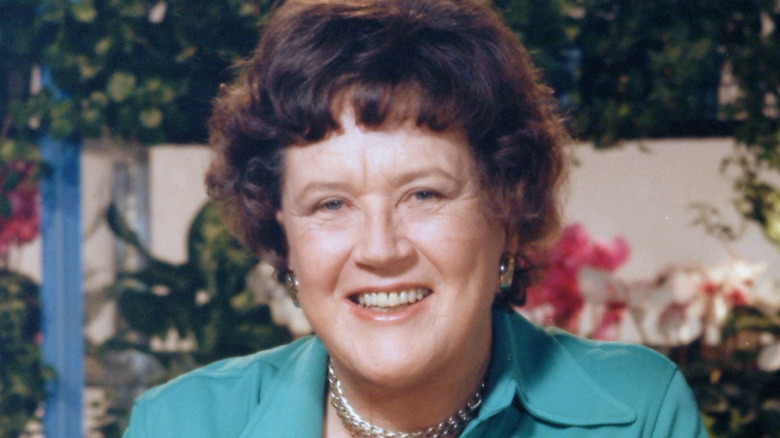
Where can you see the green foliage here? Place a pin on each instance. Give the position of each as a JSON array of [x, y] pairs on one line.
[[22, 375], [752, 41], [21, 43], [147, 70], [134, 70], [649, 68], [142, 71], [761, 203], [545, 29], [736, 398], [206, 296]]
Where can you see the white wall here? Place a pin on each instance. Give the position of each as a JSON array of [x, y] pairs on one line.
[[176, 193], [644, 192]]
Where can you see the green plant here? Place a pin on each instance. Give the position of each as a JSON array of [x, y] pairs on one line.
[[752, 42], [650, 68], [205, 297], [21, 42], [22, 374], [141, 71], [545, 29], [736, 396]]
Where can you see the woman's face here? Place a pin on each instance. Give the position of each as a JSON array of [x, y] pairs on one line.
[[396, 256]]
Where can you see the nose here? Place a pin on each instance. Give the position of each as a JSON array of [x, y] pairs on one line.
[[383, 244]]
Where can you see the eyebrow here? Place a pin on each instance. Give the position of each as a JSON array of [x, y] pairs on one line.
[[403, 179], [424, 172]]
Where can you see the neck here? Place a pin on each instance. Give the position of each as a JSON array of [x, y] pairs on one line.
[[416, 406]]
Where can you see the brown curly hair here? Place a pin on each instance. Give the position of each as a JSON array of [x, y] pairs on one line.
[[463, 65]]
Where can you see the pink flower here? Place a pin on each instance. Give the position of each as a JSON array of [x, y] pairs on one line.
[[558, 298], [610, 322], [23, 223], [610, 256]]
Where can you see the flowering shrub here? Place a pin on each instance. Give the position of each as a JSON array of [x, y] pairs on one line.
[[22, 374], [579, 293], [19, 218], [559, 299]]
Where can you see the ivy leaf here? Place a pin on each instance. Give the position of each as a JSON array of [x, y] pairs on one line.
[[87, 68], [120, 227], [92, 120], [167, 94], [151, 117], [98, 99], [185, 54], [61, 123], [104, 45], [131, 9], [84, 11], [120, 86]]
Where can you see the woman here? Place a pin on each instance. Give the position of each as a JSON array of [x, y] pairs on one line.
[[394, 159]]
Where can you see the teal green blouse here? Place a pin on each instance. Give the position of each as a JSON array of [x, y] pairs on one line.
[[542, 383]]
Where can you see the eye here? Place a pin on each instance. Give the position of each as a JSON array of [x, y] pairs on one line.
[[332, 205], [425, 195]]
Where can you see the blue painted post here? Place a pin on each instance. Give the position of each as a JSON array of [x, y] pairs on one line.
[[61, 288]]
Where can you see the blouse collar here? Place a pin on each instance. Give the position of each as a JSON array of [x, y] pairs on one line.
[[532, 364]]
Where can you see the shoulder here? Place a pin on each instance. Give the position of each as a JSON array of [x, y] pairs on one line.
[[226, 373], [601, 380], [610, 360], [221, 395], [614, 363], [643, 379]]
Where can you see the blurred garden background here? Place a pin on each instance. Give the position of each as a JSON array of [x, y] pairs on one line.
[[116, 274]]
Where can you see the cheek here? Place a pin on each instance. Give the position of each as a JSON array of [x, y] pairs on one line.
[[317, 256], [460, 238]]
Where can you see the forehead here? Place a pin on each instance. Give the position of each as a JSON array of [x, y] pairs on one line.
[[394, 148]]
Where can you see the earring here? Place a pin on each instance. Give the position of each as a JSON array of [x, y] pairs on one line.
[[511, 280], [506, 272], [291, 283]]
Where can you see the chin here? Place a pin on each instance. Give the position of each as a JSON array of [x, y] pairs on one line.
[[390, 367], [394, 377]]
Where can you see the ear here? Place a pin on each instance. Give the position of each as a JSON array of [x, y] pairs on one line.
[[279, 217]]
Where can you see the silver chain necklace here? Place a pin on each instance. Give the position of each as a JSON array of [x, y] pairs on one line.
[[360, 428]]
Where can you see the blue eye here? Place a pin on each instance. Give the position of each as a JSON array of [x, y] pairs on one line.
[[333, 204], [424, 195]]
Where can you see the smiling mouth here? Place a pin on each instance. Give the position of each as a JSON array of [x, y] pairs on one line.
[[391, 301]]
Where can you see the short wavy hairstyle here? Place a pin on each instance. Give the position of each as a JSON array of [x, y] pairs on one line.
[[462, 66]]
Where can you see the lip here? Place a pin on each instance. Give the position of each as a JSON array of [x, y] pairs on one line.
[[395, 316]]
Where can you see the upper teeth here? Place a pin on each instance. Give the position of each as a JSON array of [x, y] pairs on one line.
[[391, 299]]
